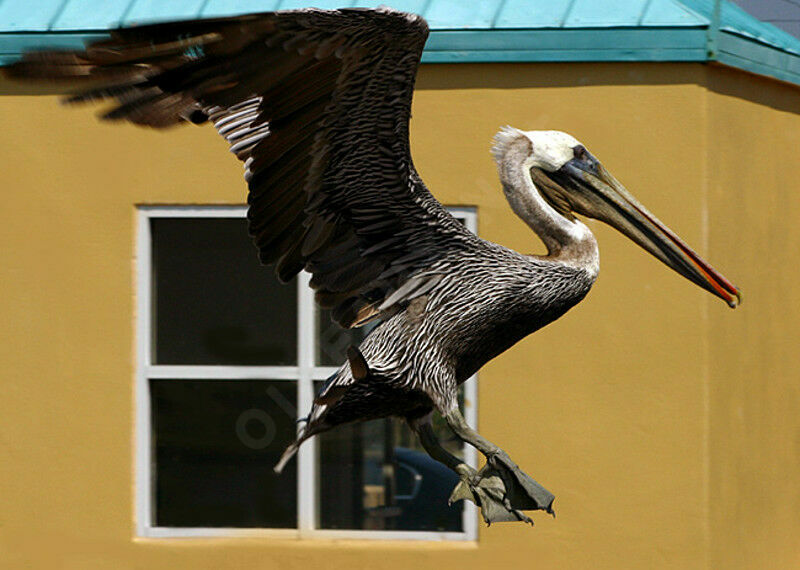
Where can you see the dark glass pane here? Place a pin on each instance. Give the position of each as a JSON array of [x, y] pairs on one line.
[[333, 340], [376, 476], [214, 302], [216, 442]]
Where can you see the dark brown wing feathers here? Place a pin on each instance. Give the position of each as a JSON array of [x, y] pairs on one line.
[[316, 103]]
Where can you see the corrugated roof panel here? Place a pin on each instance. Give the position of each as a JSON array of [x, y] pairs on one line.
[[143, 11], [18, 16], [671, 13], [232, 7], [91, 15], [415, 6], [527, 14], [462, 31], [462, 15], [324, 4], [215, 8], [608, 14]]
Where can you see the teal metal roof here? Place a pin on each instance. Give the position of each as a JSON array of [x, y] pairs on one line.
[[485, 31]]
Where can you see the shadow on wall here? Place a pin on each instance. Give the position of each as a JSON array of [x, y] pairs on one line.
[[715, 77], [756, 89], [718, 78]]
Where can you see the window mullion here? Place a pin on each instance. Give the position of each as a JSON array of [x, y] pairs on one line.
[[144, 499], [222, 372], [306, 456]]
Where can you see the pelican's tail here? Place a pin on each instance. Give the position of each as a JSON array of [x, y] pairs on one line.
[[332, 391], [287, 455], [312, 426]]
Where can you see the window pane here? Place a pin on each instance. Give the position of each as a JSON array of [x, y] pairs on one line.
[[333, 340], [214, 302], [215, 444], [376, 476]]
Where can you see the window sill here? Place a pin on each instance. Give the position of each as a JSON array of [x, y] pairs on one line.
[[315, 536]]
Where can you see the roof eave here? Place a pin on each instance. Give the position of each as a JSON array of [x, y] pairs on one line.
[[566, 45], [758, 58], [679, 44]]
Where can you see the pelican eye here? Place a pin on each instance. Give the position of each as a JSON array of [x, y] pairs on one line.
[[585, 161]]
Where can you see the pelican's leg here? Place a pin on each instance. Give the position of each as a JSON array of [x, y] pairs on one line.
[[520, 490], [486, 492], [431, 444]]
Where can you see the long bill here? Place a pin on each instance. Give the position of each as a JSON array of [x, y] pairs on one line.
[[594, 192]]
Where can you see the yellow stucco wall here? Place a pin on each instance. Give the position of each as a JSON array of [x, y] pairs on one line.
[[754, 362], [665, 423]]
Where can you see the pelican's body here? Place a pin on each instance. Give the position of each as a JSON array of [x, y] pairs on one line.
[[486, 298], [489, 298], [316, 104]]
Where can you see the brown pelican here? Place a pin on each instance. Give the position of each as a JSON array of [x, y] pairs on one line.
[[317, 104]]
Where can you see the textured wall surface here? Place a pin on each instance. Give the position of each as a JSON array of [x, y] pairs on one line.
[[665, 423], [754, 364]]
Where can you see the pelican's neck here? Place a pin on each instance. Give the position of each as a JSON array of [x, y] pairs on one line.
[[567, 241]]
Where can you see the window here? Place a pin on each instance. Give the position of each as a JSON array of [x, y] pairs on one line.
[[227, 356]]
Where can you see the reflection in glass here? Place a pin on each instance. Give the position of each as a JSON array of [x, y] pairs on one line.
[[333, 340], [214, 303], [215, 444], [376, 476]]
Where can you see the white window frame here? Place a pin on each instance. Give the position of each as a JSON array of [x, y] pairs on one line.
[[305, 373]]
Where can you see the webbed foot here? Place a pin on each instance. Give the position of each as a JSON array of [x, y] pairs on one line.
[[501, 489], [521, 490], [488, 490]]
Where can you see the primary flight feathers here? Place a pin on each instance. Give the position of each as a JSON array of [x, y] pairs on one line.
[[316, 104]]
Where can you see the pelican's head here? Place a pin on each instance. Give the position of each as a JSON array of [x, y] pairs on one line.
[[572, 181]]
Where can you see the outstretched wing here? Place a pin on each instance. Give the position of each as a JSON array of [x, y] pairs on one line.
[[317, 105]]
